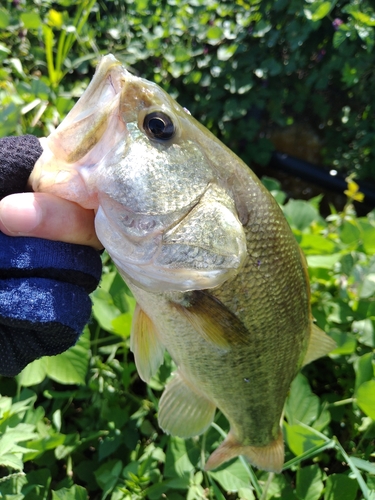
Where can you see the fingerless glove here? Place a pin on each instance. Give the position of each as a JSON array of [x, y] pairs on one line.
[[44, 285]]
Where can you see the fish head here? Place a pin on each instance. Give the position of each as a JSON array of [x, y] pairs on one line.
[[130, 152]]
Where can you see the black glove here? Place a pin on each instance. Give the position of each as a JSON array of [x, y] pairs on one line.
[[44, 285]]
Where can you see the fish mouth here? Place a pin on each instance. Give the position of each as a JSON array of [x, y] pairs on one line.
[[103, 89], [89, 132]]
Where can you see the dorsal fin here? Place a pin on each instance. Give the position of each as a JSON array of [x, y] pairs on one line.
[[145, 345], [319, 345]]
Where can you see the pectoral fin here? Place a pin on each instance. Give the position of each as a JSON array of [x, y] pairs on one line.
[[213, 320], [269, 458], [319, 345], [145, 344], [183, 411]]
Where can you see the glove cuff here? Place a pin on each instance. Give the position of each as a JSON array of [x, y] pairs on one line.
[[38, 317], [27, 257]]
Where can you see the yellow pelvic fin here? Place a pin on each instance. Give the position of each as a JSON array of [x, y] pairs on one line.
[[319, 345], [183, 411], [145, 344], [269, 458], [213, 321]]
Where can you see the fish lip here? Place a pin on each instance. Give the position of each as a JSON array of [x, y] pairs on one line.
[[107, 83]]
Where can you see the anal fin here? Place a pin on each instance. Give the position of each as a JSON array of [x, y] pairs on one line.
[[269, 458], [183, 411], [319, 345], [145, 345]]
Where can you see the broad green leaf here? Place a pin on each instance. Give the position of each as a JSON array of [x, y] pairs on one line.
[[354, 10], [364, 369], [339, 37], [37, 447], [300, 214], [318, 9], [323, 261], [34, 373], [261, 28], [366, 398], [74, 493], [279, 487], [154, 492], [346, 343], [226, 52], [340, 487], [180, 456], [12, 460], [20, 407], [4, 18], [5, 406], [31, 20], [301, 439], [9, 117], [181, 54], [108, 281], [322, 421], [314, 243], [108, 474], [367, 289], [12, 436], [17, 67], [104, 309], [71, 366], [40, 89], [309, 483], [4, 50], [246, 494], [349, 232], [231, 477], [122, 324], [364, 465], [366, 330], [40, 478], [302, 405], [214, 34]]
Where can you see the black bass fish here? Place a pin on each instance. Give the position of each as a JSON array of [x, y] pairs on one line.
[[219, 279]]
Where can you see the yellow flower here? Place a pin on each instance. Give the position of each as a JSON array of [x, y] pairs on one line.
[[353, 190]]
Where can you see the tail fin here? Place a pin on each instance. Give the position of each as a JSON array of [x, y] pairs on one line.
[[269, 458]]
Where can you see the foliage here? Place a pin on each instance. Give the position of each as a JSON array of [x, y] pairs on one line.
[[297, 74], [82, 425]]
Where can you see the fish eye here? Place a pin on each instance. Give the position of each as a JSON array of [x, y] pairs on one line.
[[158, 125]]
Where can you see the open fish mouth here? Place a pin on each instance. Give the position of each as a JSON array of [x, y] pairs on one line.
[[88, 121], [102, 92], [89, 132]]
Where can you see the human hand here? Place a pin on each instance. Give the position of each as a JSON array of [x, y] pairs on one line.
[[43, 215]]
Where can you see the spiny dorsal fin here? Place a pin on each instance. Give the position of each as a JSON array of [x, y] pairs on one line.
[[319, 345], [269, 457], [183, 411], [213, 321], [145, 344]]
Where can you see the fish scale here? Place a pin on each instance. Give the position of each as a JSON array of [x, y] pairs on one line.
[[218, 277]]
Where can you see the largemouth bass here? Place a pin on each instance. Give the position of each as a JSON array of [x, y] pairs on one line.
[[218, 277]]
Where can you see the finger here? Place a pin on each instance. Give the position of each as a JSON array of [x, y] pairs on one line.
[[43, 215]]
